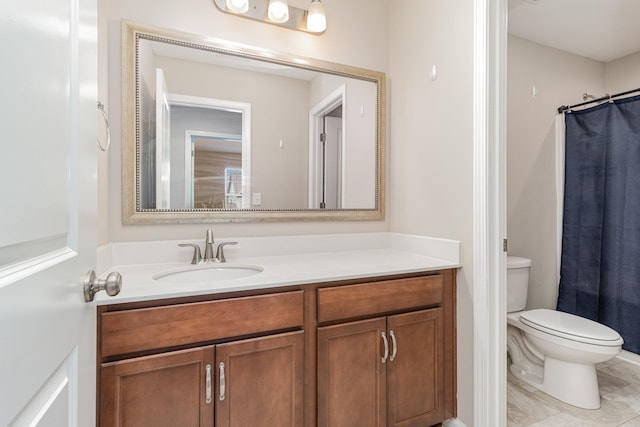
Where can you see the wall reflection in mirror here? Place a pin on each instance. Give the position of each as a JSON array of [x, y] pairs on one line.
[[217, 130]]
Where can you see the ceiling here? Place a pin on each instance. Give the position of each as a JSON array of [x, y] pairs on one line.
[[604, 30]]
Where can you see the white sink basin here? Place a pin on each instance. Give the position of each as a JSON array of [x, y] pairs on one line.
[[208, 273]]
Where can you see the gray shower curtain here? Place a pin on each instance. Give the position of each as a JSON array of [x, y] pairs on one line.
[[600, 264]]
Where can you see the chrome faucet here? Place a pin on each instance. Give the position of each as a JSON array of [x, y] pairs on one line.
[[208, 250], [208, 247]]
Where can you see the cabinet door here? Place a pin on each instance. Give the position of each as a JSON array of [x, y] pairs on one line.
[[169, 389], [416, 373], [351, 375], [260, 382]]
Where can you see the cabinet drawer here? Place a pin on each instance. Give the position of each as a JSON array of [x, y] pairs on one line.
[[381, 297], [136, 330]]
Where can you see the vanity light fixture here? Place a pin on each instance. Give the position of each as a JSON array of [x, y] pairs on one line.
[[316, 19], [237, 6], [279, 12]]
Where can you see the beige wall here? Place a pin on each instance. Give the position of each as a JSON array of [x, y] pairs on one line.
[[432, 142], [359, 129], [279, 112], [560, 78], [362, 22], [623, 74], [430, 123]]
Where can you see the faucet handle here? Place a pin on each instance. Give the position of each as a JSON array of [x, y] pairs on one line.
[[220, 251], [196, 251]]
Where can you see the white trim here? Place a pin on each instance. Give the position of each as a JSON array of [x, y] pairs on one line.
[[489, 212], [560, 136], [629, 357], [21, 270], [163, 143], [60, 388], [453, 422], [188, 168], [222, 104], [316, 115], [200, 101]]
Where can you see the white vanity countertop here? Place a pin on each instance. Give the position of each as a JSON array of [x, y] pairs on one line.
[[344, 257]]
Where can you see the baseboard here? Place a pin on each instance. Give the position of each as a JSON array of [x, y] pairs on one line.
[[630, 357], [453, 422]]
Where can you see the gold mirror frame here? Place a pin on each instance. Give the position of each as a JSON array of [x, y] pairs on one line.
[[133, 213]]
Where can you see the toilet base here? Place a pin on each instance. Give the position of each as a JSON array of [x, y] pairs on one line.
[[573, 383], [570, 382]]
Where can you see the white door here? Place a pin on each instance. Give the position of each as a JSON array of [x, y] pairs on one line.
[[48, 149], [333, 162], [163, 143]]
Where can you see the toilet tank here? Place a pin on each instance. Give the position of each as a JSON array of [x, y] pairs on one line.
[[517, 283]]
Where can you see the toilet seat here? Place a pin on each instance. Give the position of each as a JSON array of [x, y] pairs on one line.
[[571, 327]]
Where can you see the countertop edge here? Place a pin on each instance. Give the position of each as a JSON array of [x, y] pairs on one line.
[[365, 256]]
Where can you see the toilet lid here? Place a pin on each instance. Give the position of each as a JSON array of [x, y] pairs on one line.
[[517, 262], [571, 327]]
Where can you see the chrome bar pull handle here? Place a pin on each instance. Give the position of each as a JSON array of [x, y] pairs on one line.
[[208, 384], [395, 346], [222, 382], [386, 347]]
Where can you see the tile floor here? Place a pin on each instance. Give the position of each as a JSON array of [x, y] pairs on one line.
[[619, 389]]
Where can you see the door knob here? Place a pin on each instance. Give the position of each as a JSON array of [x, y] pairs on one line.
[[91, 285]]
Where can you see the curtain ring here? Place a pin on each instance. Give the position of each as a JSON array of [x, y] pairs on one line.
[[106, 121], [610, 99]]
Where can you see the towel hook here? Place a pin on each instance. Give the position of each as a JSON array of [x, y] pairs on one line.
[[106, 122]]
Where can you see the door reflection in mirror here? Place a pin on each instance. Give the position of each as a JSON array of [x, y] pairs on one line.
[[331, 179], [211, 96], [200, 138]]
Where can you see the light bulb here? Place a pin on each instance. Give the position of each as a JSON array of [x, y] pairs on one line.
[[316, 19], [238, 6], [278, 11]]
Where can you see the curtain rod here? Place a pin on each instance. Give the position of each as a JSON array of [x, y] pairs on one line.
[[564, 108]]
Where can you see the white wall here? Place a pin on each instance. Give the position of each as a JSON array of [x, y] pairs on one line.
[[560, 79], [363, 23], [431, 144]]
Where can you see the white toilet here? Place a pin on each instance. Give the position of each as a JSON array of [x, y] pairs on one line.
[[554, 351]]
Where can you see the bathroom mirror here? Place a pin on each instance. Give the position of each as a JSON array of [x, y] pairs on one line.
[[214, 131]]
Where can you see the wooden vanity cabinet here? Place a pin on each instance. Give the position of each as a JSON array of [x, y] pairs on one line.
[[231, 382], [310, 355], [168, 389], [256, 382], [352, 380], [387, 370], [365, 382], [260, 382]]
